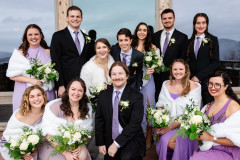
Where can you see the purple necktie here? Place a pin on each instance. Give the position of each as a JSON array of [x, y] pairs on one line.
[[115, 122], [124, 58], [77, 43], [197, 46], [165, 43]]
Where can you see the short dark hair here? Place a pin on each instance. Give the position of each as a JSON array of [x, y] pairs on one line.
[[121, 64], [168, 10], [104, 41], [92, 34], [124, 31], [74, 8]]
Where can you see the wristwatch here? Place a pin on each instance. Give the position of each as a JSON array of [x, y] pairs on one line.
[[215, 139]]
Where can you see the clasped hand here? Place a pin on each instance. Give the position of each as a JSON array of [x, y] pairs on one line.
[[112, 150], [161, 131]]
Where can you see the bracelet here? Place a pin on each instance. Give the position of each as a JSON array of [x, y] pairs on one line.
[[215, 139]]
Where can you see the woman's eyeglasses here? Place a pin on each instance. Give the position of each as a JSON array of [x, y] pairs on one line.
[[215, 85]]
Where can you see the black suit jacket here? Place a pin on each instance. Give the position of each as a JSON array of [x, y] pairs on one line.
[[130, 119], [173, 51], [136, 73], [203, 65], [65, 55]]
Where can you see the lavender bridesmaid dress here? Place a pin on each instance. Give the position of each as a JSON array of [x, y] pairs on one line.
[[184, 148], [20, 87], [219, 152]]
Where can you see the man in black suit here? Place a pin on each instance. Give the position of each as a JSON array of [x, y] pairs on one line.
[[70, 49], [172, 45], [130, 56], [117, 125]]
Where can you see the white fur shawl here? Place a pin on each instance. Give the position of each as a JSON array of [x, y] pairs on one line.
[[229, 129], [177, 107], [14, 127], [18, 64], [51, 121]]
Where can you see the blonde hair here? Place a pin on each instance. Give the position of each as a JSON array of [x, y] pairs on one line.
[[186, 78], [25, 106]]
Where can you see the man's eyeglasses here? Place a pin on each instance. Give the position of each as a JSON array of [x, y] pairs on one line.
[[215, 85]]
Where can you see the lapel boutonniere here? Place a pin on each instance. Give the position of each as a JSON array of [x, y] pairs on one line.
[[205, 40], [124, 105], [172, 41], [87, 39], [135, 64]]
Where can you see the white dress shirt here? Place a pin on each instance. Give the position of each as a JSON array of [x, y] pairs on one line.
[[163, 37], [80, 37]]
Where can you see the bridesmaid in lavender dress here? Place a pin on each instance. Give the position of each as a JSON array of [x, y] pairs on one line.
[[33, 46], [174, 95], [222, 142], [30, 114], [73, 108], [142, 42]]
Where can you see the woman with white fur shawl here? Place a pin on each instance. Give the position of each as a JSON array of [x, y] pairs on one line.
[[72, 108], [222, 142], [175, 94]]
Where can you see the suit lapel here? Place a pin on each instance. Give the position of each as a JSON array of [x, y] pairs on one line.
[[70, 40], [174, 35], [85, 46], [159, 41], [109, 100], [124, 97], [133, 57]]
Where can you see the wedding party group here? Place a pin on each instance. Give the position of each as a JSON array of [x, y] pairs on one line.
[[82, 99]]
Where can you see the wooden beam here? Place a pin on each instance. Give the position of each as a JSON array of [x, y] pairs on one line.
[[60, 8], [160, 5]]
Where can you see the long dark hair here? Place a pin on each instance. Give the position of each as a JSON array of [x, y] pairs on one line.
[[186, 79], [227, 81], [147, 41], [25, 44], [83, 107], [207, 35]]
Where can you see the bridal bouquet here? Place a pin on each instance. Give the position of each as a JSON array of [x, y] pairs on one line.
[[26, 143], [94, 91], [43, 72], [152, 60], [159, 118], [70, 137], [193, 123]]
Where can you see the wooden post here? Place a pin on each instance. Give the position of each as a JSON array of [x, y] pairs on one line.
[[60, 8], [160, 5]]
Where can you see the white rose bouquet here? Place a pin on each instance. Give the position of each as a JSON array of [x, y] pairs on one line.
[[43, 72], [159, 118], [69, 138], [26, 143], [193, 123], [152, 60], [94, 91]]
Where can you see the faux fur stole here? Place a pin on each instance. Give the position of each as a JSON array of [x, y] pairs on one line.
[[177, 107], [51, 122], [229, 129], [14, 127], [18, 64]]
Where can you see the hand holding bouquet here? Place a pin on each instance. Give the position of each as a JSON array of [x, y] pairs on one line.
[[193, 123], [152, 60], [159, 118], [26, 143], [70, 137]]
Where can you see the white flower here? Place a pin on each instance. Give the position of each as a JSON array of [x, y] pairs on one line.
[[196, 119], [67, 134], [77, 136], [166, 117], [205, 40], [100, 87], [23, 146], [157, 115], [160, 62], [135, 64], [34, 139], [125, 103], [149, 53], [28, 133], [172, 40], [186, 112], [148, 58], [154, 66], [47, 70], [39, 69], [14, 144]]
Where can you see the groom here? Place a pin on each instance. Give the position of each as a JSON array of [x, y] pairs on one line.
[[118, 126]]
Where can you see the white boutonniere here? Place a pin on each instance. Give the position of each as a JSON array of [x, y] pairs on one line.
[[124, 105], [205, 40], [172, 41], [87, 39], [135, 64]]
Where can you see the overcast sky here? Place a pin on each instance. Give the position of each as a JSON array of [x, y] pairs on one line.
[[108, 16]]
